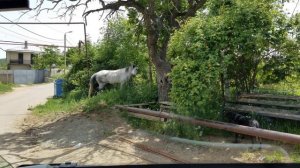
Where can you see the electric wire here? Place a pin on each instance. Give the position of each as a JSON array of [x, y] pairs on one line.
[[30, 30]]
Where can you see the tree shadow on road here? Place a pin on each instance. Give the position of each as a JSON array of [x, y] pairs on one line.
[[74, 137]]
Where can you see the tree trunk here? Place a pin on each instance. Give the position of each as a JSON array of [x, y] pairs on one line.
[[163, 82], [163, 68], [150, 72]]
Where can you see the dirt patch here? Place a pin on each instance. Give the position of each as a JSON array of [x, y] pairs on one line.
[[96, 138]]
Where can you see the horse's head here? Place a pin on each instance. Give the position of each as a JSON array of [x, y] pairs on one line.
[[133, 69]]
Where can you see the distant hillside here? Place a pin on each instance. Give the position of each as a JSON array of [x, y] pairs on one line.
[[3, 64]]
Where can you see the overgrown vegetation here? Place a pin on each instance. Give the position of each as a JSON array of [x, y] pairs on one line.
[[6, 87], [58, 105], [243, 42], [250, 44], [289, 86], [3, 64], [119, 48], [48, 59]]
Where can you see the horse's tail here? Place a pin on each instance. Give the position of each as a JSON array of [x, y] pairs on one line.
[[91, 83]]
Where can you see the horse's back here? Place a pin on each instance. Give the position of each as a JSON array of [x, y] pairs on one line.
[[108, 76]]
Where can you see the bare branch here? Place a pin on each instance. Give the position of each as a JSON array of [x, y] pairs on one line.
[[115, 6]]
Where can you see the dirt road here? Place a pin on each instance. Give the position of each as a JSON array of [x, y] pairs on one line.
[[14, 105], [99, 138]]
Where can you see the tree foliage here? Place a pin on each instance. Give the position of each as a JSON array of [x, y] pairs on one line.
[[3, 64], [120, 47], [196, 70], [234, 40], [159, 19], [48, 58]]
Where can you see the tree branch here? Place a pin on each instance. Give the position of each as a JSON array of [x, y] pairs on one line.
[[194, 5], [115, 6]]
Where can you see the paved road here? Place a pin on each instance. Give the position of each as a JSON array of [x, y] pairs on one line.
[[14, 105]]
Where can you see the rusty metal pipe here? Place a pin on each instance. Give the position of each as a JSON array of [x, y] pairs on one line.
[[256, 132]]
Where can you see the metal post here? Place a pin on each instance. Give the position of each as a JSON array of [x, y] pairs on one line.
[[256, 132], [65, 53], [58, 23], [86, 46]]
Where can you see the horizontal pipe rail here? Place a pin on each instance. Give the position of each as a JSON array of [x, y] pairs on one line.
[[256, 132]]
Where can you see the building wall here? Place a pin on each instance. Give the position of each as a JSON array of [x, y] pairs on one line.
[[11, 55], [19, 66], [23, 76], [6, 76]]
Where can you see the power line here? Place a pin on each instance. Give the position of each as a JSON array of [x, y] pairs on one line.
[[22, 34], [30, 30], [295, 7], [51, 27], [6, 42], [58, 23], [68, 41]]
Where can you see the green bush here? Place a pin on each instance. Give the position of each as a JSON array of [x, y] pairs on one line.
[[196, 88], [129, 94], [119, 48]]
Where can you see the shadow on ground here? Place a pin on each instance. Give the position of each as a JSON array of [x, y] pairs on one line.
[[96, 138], [73, 137]]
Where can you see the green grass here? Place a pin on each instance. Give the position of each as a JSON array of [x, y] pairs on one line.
[[275, 157], [5, 87], [126, 95], [77, 100], [288, 87], [278, 157], [57, 105], [295, 156]]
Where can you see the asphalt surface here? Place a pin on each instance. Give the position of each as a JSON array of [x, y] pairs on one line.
[[14, 105]]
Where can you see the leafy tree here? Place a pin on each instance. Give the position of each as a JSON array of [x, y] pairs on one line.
[[196, 88], [48, 58], [233, 40], [295, 27], [159, 19], [119, 48], [80, 72]]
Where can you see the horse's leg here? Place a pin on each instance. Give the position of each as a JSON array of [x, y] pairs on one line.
[[91, 89], [101, 85], [121, 85]]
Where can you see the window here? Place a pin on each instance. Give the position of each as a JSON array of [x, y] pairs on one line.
[[32, 58], [20, 58]]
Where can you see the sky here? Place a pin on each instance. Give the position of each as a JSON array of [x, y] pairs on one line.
[[54, 34]]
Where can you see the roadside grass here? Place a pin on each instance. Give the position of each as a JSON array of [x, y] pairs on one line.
[[57, 105], [6, 87], [76, 100]]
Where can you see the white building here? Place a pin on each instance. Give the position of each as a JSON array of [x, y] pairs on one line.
[[21, 58]]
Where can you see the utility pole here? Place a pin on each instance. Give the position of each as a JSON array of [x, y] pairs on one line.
[[65, 54]]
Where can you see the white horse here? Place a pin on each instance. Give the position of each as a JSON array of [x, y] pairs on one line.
[[112, 77]]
